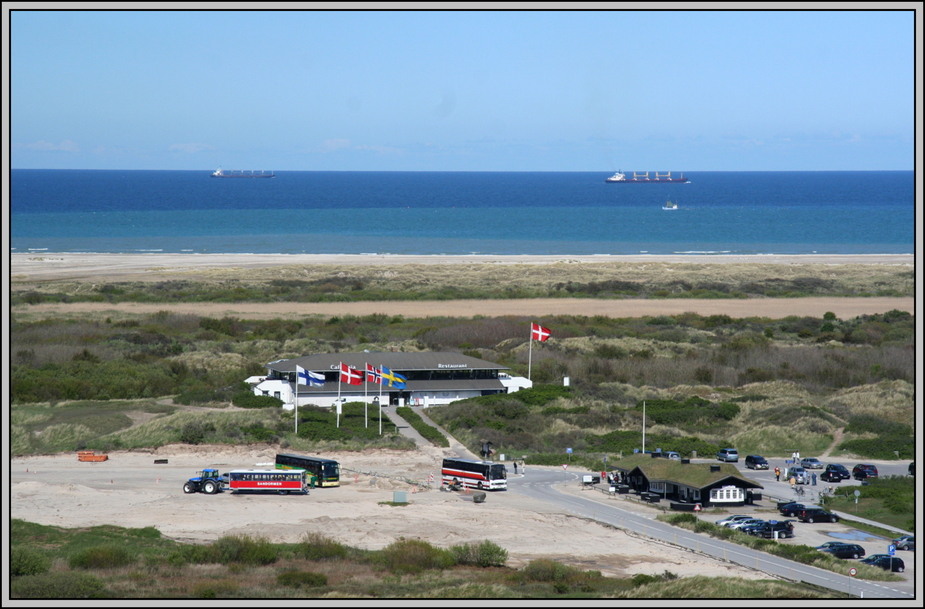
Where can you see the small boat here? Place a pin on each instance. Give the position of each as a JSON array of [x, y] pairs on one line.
[[670, 205]]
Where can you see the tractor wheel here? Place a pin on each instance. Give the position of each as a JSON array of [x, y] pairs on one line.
[[210, 488], [189, 488]]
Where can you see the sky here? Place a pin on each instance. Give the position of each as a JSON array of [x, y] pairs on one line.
[[451, 90]]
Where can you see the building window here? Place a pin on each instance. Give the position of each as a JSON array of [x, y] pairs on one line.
[[727, 494]]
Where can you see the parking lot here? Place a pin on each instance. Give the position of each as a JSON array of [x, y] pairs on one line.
[[817, 533]]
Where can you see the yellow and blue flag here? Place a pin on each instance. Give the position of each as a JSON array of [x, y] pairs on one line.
[[392, 379]]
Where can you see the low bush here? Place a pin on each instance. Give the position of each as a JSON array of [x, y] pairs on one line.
[[28, 561], [315, 546], [243, 549], [101, 557], [299, 579], [413, 556], [484, 554], [58, 585]]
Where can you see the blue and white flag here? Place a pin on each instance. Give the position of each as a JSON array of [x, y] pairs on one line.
[[307, 377], [392, 379]]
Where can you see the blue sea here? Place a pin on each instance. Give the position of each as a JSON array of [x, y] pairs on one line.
[[578, 213]]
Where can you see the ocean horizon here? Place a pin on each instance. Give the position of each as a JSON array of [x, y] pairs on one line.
[[462, 213]]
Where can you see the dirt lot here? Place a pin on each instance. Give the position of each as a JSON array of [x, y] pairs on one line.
[[131, 490]]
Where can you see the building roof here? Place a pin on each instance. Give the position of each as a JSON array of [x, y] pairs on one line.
[[395, 360], [695, 475]]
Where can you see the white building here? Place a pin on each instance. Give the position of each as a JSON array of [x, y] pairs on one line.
[[432, 378]]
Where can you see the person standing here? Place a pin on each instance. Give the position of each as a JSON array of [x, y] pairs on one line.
[[777, 473], [515, 468], [814, 478]]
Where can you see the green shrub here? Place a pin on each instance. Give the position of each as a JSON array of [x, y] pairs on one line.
[[298, 579], [243, 549], [414, 556], [315, 546], [484, 554], [102, 557], [28, 561], [246, 399], [550, 571], [60, 584]]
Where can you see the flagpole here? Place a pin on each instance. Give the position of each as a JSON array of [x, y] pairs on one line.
[[366, 395], [295, 401], [530, 356], [380, 400], [340, 376]]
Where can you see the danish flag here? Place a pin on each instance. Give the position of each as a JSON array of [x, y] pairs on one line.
[[539, 333], [349, 375], [373, 375]]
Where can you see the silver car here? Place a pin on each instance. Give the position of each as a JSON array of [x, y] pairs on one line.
[[811, 463], [800, 474]]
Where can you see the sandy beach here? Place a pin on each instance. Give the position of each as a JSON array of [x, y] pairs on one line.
[[60, 266], [34, 268]]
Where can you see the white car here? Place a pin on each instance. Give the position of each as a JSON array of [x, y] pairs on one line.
[[730, 519], [741, 523]]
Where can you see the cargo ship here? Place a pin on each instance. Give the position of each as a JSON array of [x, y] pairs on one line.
[[637, 178], [219, 173]]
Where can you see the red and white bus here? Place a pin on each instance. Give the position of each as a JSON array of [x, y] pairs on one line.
[[268, 481], [481, 475]]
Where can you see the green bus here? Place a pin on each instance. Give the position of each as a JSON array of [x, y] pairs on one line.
[[325, 472]]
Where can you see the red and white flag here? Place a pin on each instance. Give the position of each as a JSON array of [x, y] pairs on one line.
[[539, 333], [349, 375], [373, 375]]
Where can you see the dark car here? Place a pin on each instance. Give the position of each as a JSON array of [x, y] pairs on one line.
[[906, 542], [756, 462], [817, 515], [885, 561], [791, 509], [783, 528], [844, 550], [835, 472], [863, 471]]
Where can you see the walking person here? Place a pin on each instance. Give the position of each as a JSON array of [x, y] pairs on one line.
[[515, 468], [777, 473]]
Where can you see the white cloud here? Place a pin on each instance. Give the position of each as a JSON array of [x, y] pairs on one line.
[[190, 148], [62, 146]]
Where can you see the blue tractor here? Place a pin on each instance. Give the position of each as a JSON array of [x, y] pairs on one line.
[[207, 481]]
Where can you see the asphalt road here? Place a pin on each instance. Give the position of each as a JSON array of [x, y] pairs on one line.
[[546, 484]]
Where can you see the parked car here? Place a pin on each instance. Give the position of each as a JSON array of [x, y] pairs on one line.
[[749, 527], [831, 544], [728, 455], [906, 542], [741, 523], [799, 474], [730, 519], [863, 471], [674, 456], [756, 462], [835, 472], [783, 528], [817, 515], [845, 550], [885, 561], [811, 463], [791, 509]]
